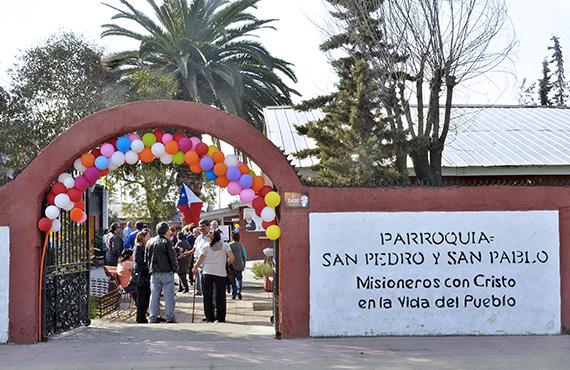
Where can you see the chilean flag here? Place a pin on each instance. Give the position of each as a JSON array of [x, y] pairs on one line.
[[189, 205]]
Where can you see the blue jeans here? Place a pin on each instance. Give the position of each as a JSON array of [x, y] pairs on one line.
[[162, 281], [236, 286], [199, 282]]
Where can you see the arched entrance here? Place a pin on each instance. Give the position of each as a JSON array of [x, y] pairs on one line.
[[22, 199]]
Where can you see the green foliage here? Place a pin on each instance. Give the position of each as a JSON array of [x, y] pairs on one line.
[[52, 86], [560, 84], [260, 270], [207, 48], [354, 144], [544, 85]]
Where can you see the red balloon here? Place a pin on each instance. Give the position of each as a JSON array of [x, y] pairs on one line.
[[158, 134], [104, 172], [264, 190], [258, 203], [75, 195], [179, 136], [58, 188], [79, 204], [266, 224], [51, 199], [258, 211], [44, 224], [96, 152], [201, 149]]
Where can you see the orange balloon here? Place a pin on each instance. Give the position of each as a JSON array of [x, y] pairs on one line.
[[76, 214], [171, 147], [220, 169], [243, 168], [258, 183], [195, 168], [146, 155], [218, 157], [222, 181], [88, 159], [191, 157]]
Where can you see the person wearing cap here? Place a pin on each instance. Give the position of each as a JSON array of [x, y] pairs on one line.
[[162, 265], [114, 245]]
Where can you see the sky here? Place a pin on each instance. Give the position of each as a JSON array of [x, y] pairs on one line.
[[25, 23]]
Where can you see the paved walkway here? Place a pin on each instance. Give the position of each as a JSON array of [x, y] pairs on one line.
[[246, 342]]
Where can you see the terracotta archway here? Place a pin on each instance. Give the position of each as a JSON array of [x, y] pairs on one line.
[[20, 201]]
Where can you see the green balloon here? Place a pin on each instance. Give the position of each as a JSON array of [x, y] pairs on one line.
[[148, 139], [178, 158]]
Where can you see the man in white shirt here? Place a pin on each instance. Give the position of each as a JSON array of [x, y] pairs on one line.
[[201, 242]]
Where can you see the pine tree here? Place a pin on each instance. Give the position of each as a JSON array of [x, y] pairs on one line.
[[545, 85], [354, 145], [560, 83]]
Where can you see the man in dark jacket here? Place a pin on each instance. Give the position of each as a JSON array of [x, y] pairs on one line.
[[161, 261], [114, 245]]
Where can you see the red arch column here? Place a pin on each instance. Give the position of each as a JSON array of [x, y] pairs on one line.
[[20, 201]]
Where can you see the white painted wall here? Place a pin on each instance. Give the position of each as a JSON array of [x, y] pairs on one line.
[[339, 307], [4, 281]]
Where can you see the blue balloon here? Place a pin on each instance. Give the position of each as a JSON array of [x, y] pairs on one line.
[[210, 175], [206, 163], [233, 173], [245, 181], [123, 144], [101, 162]]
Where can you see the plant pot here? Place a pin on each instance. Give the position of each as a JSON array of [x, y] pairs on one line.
[[268, 283]]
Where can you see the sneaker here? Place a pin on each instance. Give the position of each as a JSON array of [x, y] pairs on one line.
[[161, 319], [239, 296]]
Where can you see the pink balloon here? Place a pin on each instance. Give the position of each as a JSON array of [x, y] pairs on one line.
[[185, 144], [247, 195], [133, 137], [107, 150], [195, 141], [92, 175], [81, 183], [234, 188], [166, 138], [83, 218]]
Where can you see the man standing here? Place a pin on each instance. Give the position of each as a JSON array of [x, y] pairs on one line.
[[128, 230], [161, 261], [201, 242], [130, 242]]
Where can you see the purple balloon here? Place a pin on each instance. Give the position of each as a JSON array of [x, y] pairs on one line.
[[234, 188], [245, 181], [206, 163], [233, 173], [185, 144], [92, 175], [81, 183]]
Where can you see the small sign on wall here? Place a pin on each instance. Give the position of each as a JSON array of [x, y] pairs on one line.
[[296, 200], [434, 273]]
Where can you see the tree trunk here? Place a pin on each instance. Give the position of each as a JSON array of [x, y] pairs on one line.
[[436, 153], [419, 150]]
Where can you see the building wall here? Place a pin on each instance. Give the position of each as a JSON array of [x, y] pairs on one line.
[[4, 281]]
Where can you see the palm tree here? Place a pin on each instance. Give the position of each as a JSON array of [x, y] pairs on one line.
[[208, 49]]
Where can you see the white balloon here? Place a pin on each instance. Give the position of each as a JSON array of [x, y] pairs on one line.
[[55, 226], [267, 214], [61, 200], [231, 160], [52, 212], [69, 182], [112, 166], [79, 166], [68, 206], [118, 158], [61, 178], [157, 149], [166, 158], [131, 157], [137, 146]]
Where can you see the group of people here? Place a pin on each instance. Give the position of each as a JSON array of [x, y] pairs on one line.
[[146, 265]]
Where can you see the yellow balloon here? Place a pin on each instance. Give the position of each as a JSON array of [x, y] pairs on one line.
[[273, 232], [211, 150], [251, 173], [272, 199], [236, 226]]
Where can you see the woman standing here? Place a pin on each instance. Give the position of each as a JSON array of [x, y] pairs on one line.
[[215, 256], [141, 276], [114, 245]]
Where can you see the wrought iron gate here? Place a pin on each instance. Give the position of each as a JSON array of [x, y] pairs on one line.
[[66, 277]]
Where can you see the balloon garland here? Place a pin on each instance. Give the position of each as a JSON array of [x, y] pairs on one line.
[[225, 170]]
